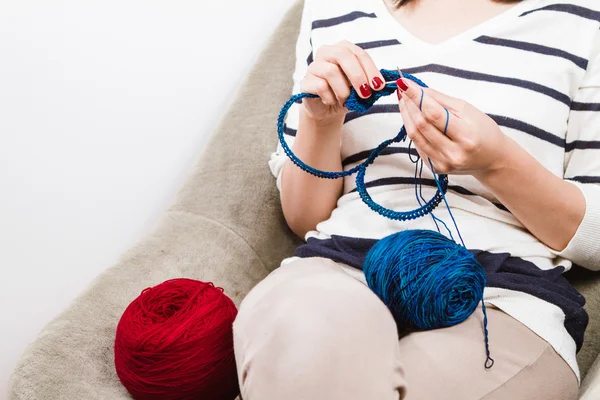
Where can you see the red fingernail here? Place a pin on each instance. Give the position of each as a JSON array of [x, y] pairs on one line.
[[377, 82], [401, 84], [399, 94], [365, 90]]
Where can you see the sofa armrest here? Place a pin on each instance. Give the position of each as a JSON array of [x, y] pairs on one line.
[[226, 226], [233, 183]]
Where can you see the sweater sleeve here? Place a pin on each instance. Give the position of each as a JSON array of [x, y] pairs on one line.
[[304, 56], [582, 165]]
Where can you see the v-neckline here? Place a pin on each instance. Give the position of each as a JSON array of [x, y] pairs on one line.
[[407, 38]]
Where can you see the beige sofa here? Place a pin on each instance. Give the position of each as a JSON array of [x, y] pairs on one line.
[[226, 226]]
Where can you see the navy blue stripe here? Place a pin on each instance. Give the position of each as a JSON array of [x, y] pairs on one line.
[[570, 9], [376, 109], [354, 158], [585, 179], [310, 58], [378, 43], [478, 76], [534, 48], [289, 131], [529, 129], [500, 120], [363, 45], [397, 180], [544, 135], [577, 106], [459, 189], [324, 23], [501, 206], [583, 145]]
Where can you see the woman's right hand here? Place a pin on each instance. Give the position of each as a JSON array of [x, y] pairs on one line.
[[334, 70]]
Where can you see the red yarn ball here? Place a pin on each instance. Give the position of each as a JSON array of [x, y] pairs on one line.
[[175, 342]]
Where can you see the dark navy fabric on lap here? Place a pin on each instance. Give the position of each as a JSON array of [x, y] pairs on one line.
[[502, 271]]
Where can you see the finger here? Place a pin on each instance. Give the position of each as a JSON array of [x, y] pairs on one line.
[[333, 74], [421, 143], [427, 128], [426, 159], [454, 105], [348, 62], [439, 167], [426, 100], [413, 91], [436, 166], [376, 80], [319, 86]]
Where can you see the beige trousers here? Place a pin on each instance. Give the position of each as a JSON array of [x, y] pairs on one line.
[[311, 331]]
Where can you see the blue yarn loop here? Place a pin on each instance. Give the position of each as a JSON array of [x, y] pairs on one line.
[[423, 210], [360, 105], [426, 280]]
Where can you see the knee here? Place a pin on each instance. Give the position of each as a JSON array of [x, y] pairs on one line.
[[309, 299], [299, 291], [298, 325]]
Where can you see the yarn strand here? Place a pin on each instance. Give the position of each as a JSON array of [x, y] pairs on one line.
[[489, 362]]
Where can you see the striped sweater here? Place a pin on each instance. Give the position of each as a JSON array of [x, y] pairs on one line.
[[534, 69]]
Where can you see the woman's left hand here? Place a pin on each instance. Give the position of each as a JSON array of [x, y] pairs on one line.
[[473, 143]]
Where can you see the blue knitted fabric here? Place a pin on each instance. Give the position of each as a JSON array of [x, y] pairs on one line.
[[360, 105]]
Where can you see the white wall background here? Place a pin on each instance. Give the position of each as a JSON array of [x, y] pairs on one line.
[[104, 107]]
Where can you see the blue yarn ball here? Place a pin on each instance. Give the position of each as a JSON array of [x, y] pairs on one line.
[[425, 279]]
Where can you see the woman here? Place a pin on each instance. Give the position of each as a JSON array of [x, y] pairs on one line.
[[521, 82]]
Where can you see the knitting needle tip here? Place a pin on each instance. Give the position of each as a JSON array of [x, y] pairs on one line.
[[394, 82]]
